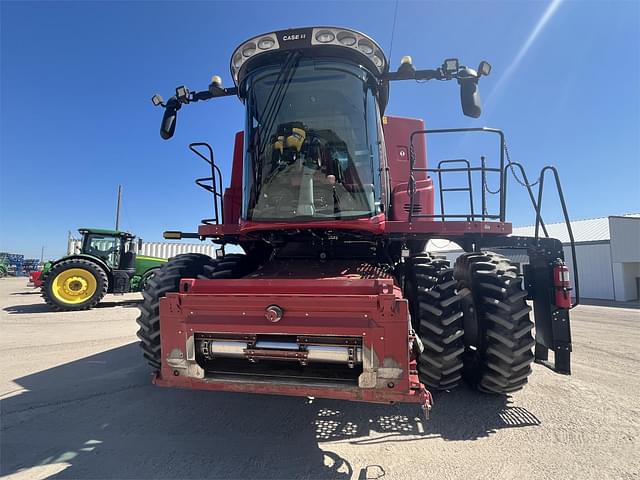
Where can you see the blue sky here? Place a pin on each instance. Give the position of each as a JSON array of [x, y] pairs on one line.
[[76, 120]]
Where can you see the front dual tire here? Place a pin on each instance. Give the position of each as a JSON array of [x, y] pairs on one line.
[[473, 321]]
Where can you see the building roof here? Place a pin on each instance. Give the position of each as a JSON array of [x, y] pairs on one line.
[[589, 230]]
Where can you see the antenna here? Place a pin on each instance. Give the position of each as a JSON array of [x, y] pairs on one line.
[[393, 31], [118, 207]]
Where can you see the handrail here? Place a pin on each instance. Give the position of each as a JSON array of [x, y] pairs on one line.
[[567, 223], [528, 186], [216, 183]]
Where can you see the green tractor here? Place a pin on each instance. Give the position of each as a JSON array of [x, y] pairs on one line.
[[106, 263], [4, 267]]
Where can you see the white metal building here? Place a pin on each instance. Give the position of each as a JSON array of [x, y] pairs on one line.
[[161, 249], [607, 251]]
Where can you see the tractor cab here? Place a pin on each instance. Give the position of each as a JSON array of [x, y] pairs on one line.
[[116, 248]]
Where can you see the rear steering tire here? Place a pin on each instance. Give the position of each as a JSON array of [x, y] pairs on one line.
[[167, 279], [498, 342]]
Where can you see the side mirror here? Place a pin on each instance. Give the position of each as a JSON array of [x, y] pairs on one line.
[[469, 93], [168, 126], [139, 244]]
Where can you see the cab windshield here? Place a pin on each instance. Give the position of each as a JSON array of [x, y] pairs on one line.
[[104, 247], [313, 142]]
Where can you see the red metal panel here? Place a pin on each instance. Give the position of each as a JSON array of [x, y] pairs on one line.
[[233, 194], [373, 225], [276, 286], [35, 279], [369, 309], [397, 133], [449, 228], [416, 393], [422, 202], [207, 230]]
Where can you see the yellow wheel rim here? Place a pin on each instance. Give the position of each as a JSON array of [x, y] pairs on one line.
[[74, 286]]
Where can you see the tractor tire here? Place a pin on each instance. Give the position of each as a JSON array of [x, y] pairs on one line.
[[74, 284], [166, 280], [498, 342], [146, 276], [434, 304]]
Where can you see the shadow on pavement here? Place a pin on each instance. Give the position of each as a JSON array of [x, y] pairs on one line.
[[122, 303], [31, 308], [44, 308], [101, 418]]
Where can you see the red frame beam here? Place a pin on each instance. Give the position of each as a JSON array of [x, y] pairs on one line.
[[373, 225]]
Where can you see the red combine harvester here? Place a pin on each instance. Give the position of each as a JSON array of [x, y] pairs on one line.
[[332, 202]]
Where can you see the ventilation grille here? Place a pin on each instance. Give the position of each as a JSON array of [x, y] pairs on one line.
[[417, 208]]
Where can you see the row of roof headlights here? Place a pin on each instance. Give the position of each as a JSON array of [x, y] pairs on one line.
[[320, 36], [350, 39]]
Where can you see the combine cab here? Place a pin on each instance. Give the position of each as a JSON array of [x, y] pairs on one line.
[[333, 203]]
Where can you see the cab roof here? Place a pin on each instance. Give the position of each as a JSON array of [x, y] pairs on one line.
[[315, 42], [106, 231]]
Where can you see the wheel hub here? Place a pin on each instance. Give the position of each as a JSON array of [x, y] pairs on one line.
[[75, 286]]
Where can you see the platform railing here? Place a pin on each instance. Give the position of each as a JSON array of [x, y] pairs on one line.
[[444, 168], [506, 166]]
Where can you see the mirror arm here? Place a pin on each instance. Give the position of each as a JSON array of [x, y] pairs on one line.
[[213, 92], [216, 92], [410, 74], [183, 97]]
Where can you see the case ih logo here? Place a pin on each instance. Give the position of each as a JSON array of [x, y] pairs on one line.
[[294, 36]]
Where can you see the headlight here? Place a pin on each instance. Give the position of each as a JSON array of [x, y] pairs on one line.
[[365, 47], [266, 43], [325, 36], [347, 39], [249, 49]]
